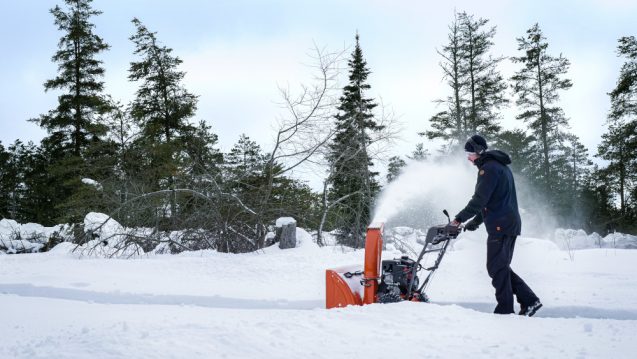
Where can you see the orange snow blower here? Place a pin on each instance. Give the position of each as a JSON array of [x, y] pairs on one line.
[[396, 280]]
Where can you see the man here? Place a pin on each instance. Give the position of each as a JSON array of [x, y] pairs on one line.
[[495, 203]]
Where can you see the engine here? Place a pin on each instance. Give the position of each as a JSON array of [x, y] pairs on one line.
[[395, 278]]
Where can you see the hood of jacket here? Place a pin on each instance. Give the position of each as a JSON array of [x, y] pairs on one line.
[[495, 155]]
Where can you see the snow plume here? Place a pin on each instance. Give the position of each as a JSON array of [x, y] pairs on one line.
[[538, 219], [418, 195]]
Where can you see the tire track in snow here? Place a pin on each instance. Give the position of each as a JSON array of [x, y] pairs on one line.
[[29, 290]]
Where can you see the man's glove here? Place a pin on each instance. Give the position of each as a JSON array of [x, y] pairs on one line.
[[471, 226]]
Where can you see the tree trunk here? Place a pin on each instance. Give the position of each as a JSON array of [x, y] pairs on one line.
[[543, 120]]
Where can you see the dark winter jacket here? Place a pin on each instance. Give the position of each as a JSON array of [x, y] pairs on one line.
[[494, 200]]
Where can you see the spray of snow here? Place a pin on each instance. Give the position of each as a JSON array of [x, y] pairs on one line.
[[418, 195]]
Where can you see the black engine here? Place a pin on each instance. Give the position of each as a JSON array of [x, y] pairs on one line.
[[395, 278], [399, 280]]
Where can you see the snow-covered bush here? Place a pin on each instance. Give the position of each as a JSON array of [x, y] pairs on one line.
[[30, 237], [620, 240], [572, 239], [104, 238]]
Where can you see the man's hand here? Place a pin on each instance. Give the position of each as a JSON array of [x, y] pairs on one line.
[[471, 226], [455, 223]]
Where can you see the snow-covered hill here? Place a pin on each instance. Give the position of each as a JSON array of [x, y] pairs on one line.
[[270, 304]]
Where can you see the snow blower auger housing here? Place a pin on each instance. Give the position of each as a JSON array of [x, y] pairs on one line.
[[396, 280]]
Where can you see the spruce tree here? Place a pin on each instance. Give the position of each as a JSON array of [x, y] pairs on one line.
[[353, 182], [242, 184], [202, 158], [7, 187], [420, 153], [394, 168], [245, 159], [75, 126], [76, 121], [33, 186], [162, 108], [537, 85]]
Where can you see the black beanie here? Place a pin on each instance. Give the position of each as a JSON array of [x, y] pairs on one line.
[[476, 144]]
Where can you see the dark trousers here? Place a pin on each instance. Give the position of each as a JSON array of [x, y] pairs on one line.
[[504, 280]]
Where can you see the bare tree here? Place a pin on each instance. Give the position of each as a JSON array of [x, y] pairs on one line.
[[306, 127]]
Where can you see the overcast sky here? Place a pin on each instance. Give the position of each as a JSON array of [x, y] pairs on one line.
[[236, 52]]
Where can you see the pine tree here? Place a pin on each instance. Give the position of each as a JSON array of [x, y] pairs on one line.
[[251, 199], [242, 184], [77, 119], [125, 165], [598, 203], [202, 158], [395, 166], [618, 147], [33, 186], [245, 159], [537, 85], [419, 154], [624, 95], [162, 108], [450, 124], [353, 182], [477, 88], [7, 187], [572, 168], [519, 147], [485, 86], [619, 144], [75, 125]]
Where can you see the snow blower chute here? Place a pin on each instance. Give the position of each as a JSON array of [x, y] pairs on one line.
[[386, 281]]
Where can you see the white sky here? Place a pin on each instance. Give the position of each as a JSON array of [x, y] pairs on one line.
[[236, 52]]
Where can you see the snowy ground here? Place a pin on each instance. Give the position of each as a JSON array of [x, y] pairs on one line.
[[270, 305]]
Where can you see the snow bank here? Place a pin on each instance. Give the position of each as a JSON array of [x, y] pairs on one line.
[[572, 239]]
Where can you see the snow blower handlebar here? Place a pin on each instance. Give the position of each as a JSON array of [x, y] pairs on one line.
[[435, 235]]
